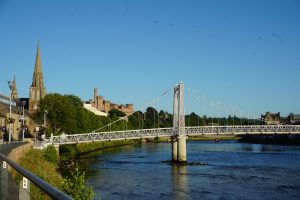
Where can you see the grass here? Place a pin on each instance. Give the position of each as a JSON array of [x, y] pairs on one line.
[[213, 137], [93, 146], [34, 162]]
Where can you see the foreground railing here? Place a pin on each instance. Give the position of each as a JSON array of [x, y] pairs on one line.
[[167, 132], [28, 177]]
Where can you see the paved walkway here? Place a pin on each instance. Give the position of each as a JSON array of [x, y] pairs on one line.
[[13, 188], [6, 148]]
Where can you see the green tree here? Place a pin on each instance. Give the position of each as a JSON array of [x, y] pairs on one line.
[[74, 185], [165, 119], [151, 118], [66, 114], [50, 154], [193, 120], [115, 114]]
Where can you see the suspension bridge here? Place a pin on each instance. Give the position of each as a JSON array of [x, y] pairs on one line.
[[168, 132], [178, 133]]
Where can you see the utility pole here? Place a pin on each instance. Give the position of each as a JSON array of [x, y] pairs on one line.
[[23, 119], [10, 85]]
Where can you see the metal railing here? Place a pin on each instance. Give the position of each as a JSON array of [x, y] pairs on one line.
[[27, 178], [167, 132]]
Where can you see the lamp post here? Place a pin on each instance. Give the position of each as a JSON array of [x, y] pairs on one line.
[[23, 119], [45, 118], [10, 85]]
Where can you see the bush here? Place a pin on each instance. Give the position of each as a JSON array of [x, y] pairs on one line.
[[75, 186], [50, 154], [67, 151]]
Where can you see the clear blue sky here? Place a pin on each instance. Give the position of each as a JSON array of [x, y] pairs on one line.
[[241, 53]]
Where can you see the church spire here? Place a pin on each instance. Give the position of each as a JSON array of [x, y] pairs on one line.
[[14, 92], [38, 79], [37, 89]]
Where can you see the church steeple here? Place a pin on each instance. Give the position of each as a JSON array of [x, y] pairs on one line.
[[37, 89], [14, 92], [38, 79]]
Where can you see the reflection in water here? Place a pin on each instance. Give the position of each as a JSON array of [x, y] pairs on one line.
[[179, 181]]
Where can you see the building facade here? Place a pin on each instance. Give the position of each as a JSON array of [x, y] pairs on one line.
[[294, 119], [271, 118], [105, 106], [16, 118]]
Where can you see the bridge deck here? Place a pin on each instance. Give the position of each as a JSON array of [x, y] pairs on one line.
[[168, 132]]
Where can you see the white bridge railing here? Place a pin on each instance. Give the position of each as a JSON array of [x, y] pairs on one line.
[[168, 132]]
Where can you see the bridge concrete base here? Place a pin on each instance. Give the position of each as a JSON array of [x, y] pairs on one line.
[[181, 157], [179, 149], [174, 142]]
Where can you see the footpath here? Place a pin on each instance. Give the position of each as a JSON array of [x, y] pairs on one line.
[[13, 151]]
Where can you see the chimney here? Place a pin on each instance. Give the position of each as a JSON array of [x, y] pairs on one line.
[[95, 98]]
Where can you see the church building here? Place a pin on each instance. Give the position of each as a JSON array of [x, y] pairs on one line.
[[37, 89]]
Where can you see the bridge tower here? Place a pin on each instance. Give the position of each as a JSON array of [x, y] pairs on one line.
[[179, 134]]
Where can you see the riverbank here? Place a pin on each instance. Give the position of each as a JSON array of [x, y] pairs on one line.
[[72, 150], [35, 162], [279, 139]]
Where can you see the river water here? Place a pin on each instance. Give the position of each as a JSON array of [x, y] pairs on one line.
[[233, 171]]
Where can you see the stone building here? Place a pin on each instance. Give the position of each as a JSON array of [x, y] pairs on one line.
[[16, 117], [271, 118], [293, 119], [14, 92], [104, 106], [37, 89]]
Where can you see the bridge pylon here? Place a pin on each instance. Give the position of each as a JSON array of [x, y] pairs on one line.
[[179, 135]]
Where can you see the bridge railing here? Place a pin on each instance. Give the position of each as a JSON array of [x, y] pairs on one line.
[[167, 132], [27, 178], [247, 129], [116, 135]]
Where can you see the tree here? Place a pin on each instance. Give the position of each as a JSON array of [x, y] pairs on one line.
[[66, 114], [151, 118], [50, 154], [74, 185], [115, 114], [165, 119]]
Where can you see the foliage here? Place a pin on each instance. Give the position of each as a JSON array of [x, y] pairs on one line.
[[34, 162], [66, 114], [50, 154], [151, 118], [89, 147], [74, 185], [67, 151], [115, 114]]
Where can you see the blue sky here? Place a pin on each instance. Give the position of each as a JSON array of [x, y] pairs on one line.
[[241, 55]]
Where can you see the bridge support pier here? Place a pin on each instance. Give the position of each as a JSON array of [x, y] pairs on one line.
[[179, 134], [181, 149], [174, 141]]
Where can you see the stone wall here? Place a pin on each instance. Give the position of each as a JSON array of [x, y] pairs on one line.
[[20, 151]]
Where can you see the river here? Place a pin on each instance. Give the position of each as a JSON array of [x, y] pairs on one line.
[[234, 171]]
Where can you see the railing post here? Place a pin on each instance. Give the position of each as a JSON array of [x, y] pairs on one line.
[[24, 190], [4, 181]]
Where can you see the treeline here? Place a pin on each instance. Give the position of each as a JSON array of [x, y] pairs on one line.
[[65, 113]]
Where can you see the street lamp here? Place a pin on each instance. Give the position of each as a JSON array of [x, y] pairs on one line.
[[10, 85], [23, 119], [45, 118]]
